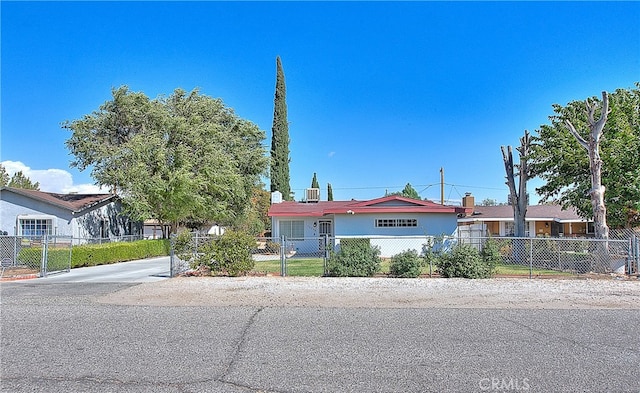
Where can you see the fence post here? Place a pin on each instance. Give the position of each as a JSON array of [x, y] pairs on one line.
[[283, 257], [327, 242], [531, 259], [43, 262]]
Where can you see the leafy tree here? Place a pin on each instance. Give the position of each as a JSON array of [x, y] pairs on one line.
[[314, 181], [255, 218], [407, 192], [19, 180], [280, 138], [4, 176], [186, 158], [489, 202], [558, 158], [329, 192]]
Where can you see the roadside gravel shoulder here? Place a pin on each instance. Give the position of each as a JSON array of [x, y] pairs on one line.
[[501, 293]]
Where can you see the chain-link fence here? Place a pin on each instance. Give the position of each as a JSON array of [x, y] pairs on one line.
[[571, 255], [539, 256], [24, 255]]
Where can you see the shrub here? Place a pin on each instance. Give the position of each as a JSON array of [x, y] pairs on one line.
[[406, 264], [491, 255], [231, 253], [102, 254], [463, 261], [356, 258]]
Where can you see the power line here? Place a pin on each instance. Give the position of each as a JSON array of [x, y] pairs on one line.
[[426, 186]]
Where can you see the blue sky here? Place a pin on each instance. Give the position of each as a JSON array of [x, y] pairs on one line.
[[379, 94]]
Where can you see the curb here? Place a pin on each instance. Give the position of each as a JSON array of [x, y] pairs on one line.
[[23, 277]]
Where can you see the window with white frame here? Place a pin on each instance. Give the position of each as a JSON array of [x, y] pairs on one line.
[[396, 222], [293, 229], [35, 226]]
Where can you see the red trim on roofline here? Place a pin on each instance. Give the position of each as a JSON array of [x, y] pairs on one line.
[[319, 209]]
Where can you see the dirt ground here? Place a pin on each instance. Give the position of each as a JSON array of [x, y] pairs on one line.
[[321, 292]]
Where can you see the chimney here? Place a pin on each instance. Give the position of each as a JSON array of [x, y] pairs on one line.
[[468, 201], [276, 197]]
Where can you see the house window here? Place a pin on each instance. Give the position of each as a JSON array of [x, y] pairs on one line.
[[509, 228], [396, 222], [35, 226], [591, 227], [292, 229]]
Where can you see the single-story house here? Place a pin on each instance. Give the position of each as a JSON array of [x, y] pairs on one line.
[[383, 220], [541, 220], [80, 216]]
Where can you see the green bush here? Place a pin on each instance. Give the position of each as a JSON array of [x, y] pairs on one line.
[[463, 261], [107, 253], [491, 255], [407, 264], [58, 259], [356, 258], [231, 253]]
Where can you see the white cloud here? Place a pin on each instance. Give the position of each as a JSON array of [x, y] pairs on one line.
[[331, 154], [51, 180]]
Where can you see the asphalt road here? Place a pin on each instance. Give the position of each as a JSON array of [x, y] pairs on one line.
[[57, 337]]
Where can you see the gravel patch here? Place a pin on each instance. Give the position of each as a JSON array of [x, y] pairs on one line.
[[321, 292]]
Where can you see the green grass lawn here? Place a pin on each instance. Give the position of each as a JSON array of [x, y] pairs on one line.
[[520, 270], [307, 267], [314, 267]]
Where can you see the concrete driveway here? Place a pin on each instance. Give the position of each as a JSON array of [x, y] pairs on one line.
[[145, 270]]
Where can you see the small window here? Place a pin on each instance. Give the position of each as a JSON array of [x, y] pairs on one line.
[[292, 229], [396, 222]]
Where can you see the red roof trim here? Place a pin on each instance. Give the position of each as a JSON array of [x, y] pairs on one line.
[[374, 206]]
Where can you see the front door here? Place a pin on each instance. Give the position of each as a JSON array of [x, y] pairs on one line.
[[325, 229]]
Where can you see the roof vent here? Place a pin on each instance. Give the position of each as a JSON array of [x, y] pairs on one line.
[[312, 194]]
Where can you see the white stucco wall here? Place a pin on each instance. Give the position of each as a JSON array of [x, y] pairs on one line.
[[85, 225], [13, 205], [391, 240]]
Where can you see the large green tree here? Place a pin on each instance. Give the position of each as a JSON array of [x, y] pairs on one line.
[[558, 158], [314, 181], [185, 159], [280, 180], [19, 180]]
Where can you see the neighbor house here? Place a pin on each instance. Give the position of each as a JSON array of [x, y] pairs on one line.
[[541, 220], [383, 220], [81, 216]]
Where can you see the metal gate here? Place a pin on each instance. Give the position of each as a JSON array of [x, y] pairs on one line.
[[41, 255]]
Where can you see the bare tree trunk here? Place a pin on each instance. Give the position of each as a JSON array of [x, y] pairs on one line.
[[595, 163], [518, 195]]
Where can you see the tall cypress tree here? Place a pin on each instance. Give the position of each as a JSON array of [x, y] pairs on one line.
[[280, 138], [329, 192], [314, 181]]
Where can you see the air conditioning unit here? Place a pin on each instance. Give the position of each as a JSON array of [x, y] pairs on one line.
[[312, 195]]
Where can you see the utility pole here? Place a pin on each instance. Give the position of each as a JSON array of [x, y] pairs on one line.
[[442, 186]]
